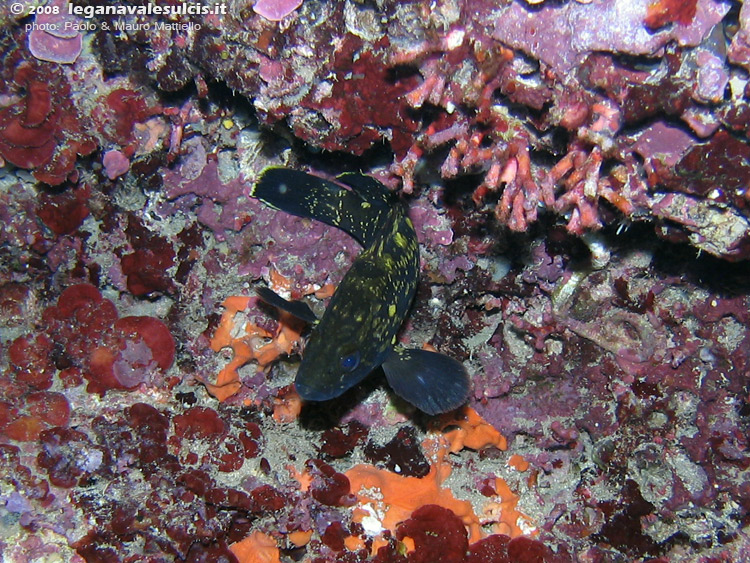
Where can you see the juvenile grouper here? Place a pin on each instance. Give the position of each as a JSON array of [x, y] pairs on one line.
[[357, 332]]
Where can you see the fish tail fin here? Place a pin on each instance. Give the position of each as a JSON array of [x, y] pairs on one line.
[[304, 195], [432, 382]]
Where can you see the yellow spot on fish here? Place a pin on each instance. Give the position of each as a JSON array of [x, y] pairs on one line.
[[391, 310], [365, 205], [400, 240]]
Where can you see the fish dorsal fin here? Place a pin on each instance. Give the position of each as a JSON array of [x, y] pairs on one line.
[[432, 382], [304, 195], [299, 309]]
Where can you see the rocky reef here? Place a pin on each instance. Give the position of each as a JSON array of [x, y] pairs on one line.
[[577, 174]]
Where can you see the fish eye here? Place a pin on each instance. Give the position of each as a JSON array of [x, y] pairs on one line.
[[350, 361]]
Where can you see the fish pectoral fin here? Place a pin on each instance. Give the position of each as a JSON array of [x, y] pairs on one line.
[[299, 309], [432, 382]]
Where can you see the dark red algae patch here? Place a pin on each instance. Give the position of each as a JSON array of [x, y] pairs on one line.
[[368, 101], [438, 535], [402, 454], [146, 267], [112, 353], [199, 422], [122, 109], [334, 536], [153, 333], [329, 486], [251, 439], [721, 163], [30, 358], [50, 407], [339, 442], [663, 12], [40, 129], [623, 528], [175, 510], [69, 457], [64, 212], [14, 473], [500, 548], [150, 428]]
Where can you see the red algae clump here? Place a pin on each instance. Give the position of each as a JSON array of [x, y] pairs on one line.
[[35, 133], [199, 422], [113, 353], [436, 534]]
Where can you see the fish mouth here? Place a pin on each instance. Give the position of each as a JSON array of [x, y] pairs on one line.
[[309, 393]]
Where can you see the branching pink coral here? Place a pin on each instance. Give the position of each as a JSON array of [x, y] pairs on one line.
[[489, 141]]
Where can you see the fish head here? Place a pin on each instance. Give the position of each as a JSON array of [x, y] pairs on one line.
[[336, 363]]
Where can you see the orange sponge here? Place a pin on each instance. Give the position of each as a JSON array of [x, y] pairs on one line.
[[248, 342], [256, 548]]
